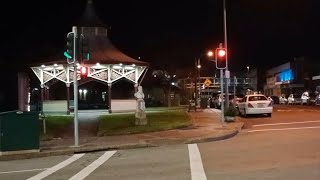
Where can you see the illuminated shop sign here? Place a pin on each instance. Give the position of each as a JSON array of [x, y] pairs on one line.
[[286, 75]]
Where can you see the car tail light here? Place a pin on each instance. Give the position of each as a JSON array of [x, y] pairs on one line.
[[270, 104], [250, 105]]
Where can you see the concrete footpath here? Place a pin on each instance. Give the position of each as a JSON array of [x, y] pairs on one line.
[[207, 126]]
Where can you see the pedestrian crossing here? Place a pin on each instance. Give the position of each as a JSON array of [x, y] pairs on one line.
[[180, 162]]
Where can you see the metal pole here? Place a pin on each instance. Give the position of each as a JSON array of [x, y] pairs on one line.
[[234, 87], [195, 84], [226, 46], [75, 88], [199, 66], [221, 89]]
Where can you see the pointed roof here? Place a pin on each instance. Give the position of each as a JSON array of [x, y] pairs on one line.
[[90, 18], [101, 48]]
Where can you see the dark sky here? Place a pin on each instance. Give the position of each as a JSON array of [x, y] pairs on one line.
[[168, 33]]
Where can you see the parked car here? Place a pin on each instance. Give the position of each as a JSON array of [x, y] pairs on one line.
[[312, 99], [217, 100], [294, 99], [255, 104], [283, 99], [236, 100], [317, 100], [305, 97], [275, 99]]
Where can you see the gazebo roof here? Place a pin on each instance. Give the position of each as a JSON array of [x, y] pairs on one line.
[[90, 18], [101, 48]]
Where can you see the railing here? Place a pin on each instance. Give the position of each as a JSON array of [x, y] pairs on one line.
[[215, 82]]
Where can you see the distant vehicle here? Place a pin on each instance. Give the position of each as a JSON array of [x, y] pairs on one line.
[[255, 104], [312, 99], [236, 100], [317, 100], [275, 99], [283, 99], [294, 99], [219, 99], [305, 97]]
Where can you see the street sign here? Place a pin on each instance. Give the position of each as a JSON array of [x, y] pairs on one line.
[[207, 82]]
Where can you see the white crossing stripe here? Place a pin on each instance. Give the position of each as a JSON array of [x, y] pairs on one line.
[[275, 124], [56, 167], [89, 169], [283, 129], [26, 170], [197, 171]]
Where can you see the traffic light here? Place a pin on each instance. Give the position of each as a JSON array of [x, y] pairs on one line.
[[84, 48], [221, 58], [83, 72], [69, 52]]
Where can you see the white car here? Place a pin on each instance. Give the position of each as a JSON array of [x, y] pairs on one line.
[[255, 104], [305, 97], [294, 99], [283, 99]]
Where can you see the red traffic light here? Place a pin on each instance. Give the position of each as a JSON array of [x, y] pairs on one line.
[[83, 70], [221, 58], [221, 52]]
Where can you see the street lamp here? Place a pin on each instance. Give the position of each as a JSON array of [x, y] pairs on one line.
[[197, 79]]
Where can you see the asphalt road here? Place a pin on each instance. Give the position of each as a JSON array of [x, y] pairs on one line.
[[284, 117], [290, 150]]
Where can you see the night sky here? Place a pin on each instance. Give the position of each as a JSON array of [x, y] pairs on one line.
[[168, 33]]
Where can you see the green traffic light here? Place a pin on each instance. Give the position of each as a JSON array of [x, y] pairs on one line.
[[88, 56], [67, 55]]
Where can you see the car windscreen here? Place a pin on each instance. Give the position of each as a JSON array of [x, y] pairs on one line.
[[257, 98]]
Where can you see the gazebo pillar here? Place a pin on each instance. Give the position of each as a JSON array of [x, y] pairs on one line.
[[47, 93], [68, 98], [109, 96], [136, 87]]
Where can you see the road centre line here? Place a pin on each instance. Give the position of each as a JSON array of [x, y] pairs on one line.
[[89, 169], [283, 129], [26, 170], [56, 167], [275, 124], [197, 171]]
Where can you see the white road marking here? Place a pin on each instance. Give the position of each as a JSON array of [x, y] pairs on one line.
[[56, 167], [283, 129], [26, 170], [89, 169], [197, 171], [275, 124]]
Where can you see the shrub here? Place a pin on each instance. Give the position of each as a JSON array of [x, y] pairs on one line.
[[231, 111]]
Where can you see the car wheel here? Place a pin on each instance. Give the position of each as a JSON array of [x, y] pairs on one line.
[[269, 114]]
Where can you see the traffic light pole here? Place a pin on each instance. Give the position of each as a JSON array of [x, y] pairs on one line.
[[221, 89], [226, 46], [75, 88]]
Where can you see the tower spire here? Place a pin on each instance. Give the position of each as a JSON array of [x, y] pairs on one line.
[[90, 18]]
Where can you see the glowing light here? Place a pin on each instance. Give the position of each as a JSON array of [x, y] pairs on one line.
[[210, 53], [221, 52]]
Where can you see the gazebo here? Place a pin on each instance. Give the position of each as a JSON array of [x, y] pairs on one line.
[[107, 65]]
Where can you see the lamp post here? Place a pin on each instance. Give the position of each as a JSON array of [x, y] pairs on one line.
[[197, 79], [198, 85]]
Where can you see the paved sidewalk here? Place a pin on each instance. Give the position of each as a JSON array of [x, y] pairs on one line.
[[207, 126]]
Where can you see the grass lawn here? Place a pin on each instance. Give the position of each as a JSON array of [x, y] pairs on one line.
[[117, 124], [54, 124]]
